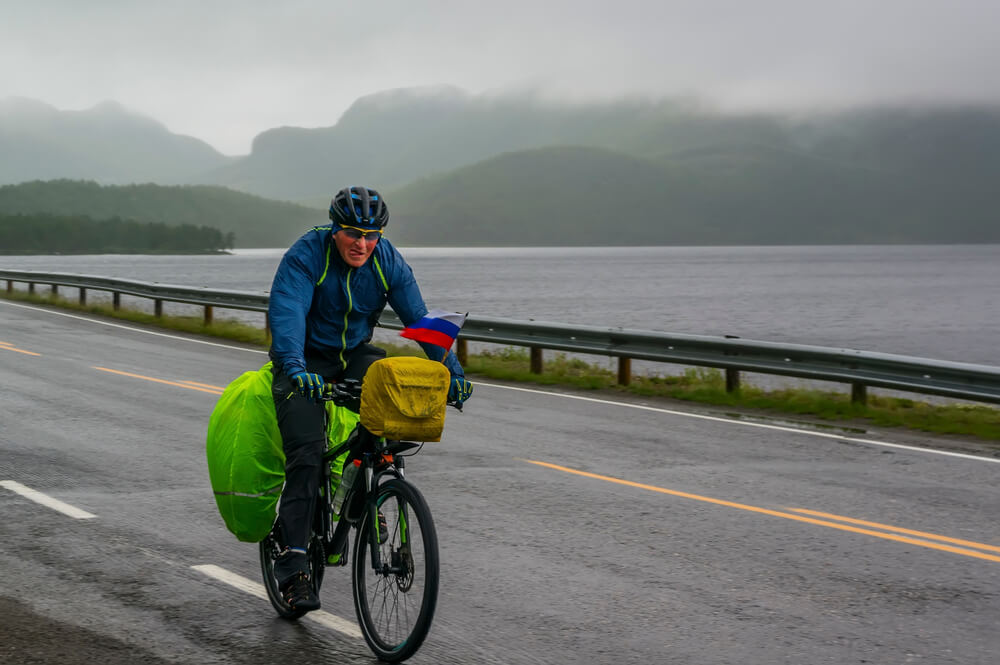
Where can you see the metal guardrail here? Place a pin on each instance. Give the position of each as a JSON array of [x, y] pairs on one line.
[[860, 369], [159, 293]]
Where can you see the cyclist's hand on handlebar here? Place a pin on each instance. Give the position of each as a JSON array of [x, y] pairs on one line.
[[308, 384], [459, 391]]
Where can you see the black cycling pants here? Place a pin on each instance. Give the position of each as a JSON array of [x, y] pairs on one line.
[[303, 435]]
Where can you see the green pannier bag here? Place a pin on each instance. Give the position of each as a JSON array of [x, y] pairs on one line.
[[246, 463]]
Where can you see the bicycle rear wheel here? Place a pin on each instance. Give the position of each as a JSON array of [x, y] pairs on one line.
[[270, 548], [395, 605]]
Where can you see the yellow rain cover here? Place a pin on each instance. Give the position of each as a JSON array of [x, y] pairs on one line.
[[405, 398]]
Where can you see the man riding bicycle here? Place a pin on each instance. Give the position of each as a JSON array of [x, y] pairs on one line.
[[326, 298]]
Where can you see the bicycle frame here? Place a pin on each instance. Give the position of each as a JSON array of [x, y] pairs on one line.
[[372, 451]]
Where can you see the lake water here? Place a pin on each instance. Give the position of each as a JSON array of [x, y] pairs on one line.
[[931, 301]]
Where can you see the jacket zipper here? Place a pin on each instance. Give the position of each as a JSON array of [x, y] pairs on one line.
[[350, 306]]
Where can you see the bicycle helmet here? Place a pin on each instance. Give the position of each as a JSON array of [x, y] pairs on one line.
[[360, 207]]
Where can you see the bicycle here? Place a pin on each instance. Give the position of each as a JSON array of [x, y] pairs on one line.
[[395, 569]]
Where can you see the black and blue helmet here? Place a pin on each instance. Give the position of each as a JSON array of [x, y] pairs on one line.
[[360, 207]]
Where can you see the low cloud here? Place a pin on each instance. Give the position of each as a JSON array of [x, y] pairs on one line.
[[224, 71]]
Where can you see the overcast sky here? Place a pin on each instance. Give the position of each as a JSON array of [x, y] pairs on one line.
[[225, 70]]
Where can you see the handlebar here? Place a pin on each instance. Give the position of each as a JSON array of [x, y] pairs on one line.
[[348, 393], [347, 389]]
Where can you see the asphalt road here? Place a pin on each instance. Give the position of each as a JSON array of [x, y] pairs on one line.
[[572, 529]]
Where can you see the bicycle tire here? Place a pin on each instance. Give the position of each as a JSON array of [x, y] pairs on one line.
[[270, 548], [383, 598]]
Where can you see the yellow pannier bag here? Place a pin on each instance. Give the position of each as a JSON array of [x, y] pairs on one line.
[[405, 398]]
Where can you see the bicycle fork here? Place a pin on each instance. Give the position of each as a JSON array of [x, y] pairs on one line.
[[399, 554]]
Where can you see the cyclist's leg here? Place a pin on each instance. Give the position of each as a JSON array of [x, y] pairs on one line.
[[302, 426]]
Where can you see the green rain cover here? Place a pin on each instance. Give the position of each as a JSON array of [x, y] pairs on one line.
[[246, 463]]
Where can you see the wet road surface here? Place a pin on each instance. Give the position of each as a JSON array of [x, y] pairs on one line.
[[572, 529]]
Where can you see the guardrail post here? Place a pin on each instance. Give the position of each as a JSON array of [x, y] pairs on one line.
[[859, 369], [208, 315], [462, 351], [536, 360], [267, 327], [624, 371], [158, 307], [732, 380]]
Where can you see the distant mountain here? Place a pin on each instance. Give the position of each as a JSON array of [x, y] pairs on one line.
[[107, 144], [255, 222], [871, 175], [958, 145], [392, 138], [741, 195], [546, 196], [460, 168]]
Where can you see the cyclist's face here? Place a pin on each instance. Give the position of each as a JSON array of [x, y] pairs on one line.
[[355, 251]]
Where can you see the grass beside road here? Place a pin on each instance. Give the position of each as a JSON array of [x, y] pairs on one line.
[[224, 328], [708, 386], [704, 386]]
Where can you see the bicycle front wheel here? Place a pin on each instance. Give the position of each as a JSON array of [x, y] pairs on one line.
[[395, 601]]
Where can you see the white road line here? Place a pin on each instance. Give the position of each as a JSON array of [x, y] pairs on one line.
[[47, 501], [138, 330], [826, 435], [334, 622], [331, 621], [731, 421]]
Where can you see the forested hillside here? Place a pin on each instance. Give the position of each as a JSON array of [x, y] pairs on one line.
[[50, 234], [591, 196], [252, 221]]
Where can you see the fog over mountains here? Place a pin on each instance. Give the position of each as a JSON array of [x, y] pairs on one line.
[[107, 144], [468, 170]]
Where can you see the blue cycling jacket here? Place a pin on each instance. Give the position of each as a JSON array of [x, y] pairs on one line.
[[319, 305]]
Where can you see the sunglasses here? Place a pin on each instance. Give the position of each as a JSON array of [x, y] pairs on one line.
[[354, 233]]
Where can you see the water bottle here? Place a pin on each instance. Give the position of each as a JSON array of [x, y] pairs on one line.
[[347, 477]]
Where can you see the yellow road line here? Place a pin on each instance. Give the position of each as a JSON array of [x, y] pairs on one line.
[[203, 385], [7, 346], [776, 513], [887, 527], [169, 383]]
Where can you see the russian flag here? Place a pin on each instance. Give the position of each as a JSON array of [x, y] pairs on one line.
[[437, 327]]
